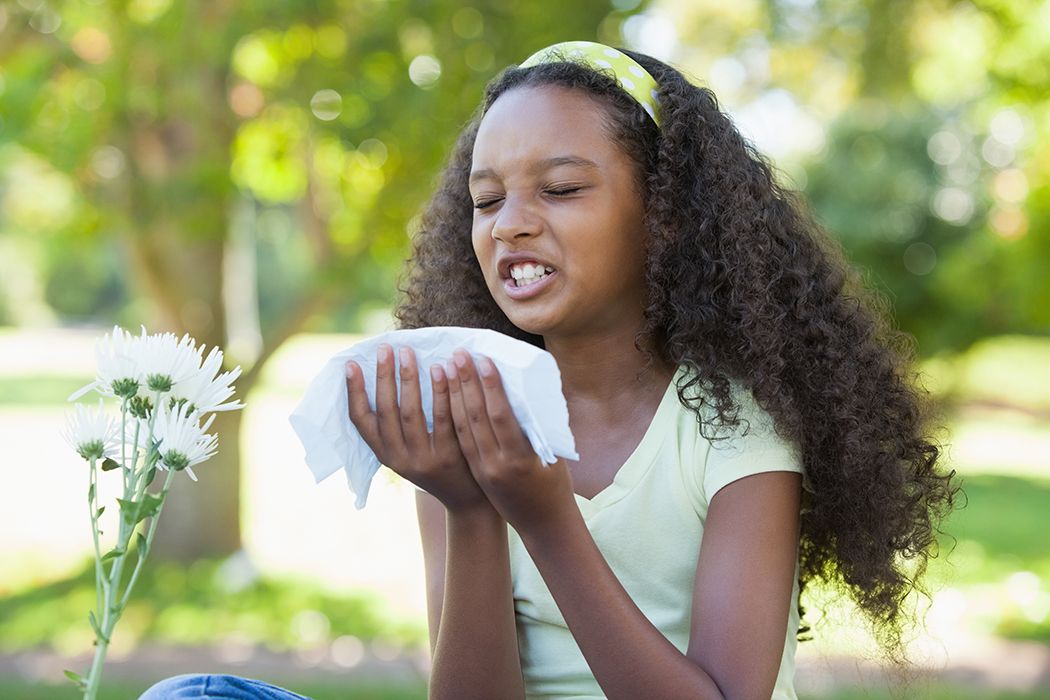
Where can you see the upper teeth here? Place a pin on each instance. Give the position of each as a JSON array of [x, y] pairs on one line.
[[528, 270]]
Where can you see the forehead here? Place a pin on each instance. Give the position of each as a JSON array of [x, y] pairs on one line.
[[533, 123]]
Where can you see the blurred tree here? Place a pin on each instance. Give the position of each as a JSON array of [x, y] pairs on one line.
[[935, 146], [200, 133]]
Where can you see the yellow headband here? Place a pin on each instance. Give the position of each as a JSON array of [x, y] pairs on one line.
[[634, 79]]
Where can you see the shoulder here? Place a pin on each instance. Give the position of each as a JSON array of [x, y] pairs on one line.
[[721, 454]]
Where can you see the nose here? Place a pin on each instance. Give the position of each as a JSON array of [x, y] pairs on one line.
[[516, 218]]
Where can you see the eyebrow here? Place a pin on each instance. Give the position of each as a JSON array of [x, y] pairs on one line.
[[538, 167]]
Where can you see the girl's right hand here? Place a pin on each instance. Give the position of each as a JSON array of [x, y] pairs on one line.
[[398, 434]]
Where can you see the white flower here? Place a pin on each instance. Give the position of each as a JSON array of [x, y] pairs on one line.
[[182, 440], [92, 432], [164, 360], [204, 391], [118, 365]]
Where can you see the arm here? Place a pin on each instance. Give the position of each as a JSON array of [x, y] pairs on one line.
[[469, 603], [476, 647], [750, 544], [431, 515], [740, 602]]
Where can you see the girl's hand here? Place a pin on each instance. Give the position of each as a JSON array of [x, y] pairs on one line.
[[524, 491], [398, 434]]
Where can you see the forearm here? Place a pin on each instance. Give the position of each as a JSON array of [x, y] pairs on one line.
[[477, 646], [628, 655]]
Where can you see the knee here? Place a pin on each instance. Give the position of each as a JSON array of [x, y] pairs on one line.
[[184, 687]]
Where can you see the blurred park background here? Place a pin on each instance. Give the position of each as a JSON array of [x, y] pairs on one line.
[[250, 172]]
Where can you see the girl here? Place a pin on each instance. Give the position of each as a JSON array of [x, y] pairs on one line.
[[742, 408]]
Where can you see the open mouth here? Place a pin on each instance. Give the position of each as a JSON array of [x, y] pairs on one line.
[[529, 273], [526, 287]]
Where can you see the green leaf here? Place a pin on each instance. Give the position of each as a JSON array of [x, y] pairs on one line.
[[76, 678], [91, 493], [151, 475], [95, 626], [99, 513], [140, 544], [128, 510], [134, 512], [94, 623], [150, 505], [113, 553], [109, 465]]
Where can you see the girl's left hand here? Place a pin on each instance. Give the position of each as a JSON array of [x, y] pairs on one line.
[[526, 492]]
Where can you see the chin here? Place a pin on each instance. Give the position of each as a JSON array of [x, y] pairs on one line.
[[526, 322]]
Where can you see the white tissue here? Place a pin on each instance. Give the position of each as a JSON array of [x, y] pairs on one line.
[[530, 376]]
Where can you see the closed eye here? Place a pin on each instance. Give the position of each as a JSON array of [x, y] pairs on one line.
[[564, 191], [485, 204], [559, 192]]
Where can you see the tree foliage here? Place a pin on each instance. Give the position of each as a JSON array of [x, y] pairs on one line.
[[933, 167], [238, 155], [245, 170]]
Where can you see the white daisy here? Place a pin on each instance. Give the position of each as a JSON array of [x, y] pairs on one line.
[[92, 432], [165, 360], [182, 440], [204, 391], [118, 365]]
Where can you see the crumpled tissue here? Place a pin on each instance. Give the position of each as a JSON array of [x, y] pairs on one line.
[[531, 380]]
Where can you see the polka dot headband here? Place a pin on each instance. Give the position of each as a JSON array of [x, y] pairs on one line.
[[634, 79]]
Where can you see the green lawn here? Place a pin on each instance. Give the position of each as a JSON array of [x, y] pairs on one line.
[[352, 691], [40, 390], [131, 691], [175, 605]]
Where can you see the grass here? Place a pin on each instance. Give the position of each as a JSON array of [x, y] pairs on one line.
[[999, 558], [39, 390], [118, 690], [929, 692], [1007, 517], [175, 605], [357, 691]]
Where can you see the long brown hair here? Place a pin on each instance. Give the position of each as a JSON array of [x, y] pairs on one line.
[[742, 283]]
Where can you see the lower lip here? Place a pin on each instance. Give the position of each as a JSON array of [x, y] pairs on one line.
[[528, 291]]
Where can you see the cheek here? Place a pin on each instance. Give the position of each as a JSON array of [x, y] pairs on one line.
[[480, 245], [484, 253]]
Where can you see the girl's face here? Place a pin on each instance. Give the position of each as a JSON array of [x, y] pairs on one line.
[[549, 186]]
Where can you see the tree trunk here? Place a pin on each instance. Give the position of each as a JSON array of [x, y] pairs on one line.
[[202, 519], [177, 197]]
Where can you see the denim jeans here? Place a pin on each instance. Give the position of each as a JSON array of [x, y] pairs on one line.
[[215, 686]]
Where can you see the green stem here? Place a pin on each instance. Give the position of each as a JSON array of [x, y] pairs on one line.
[[135, 454], [100, 582], [109, 615], [143, 551], [134, 486], [141, 473], [124, 472]]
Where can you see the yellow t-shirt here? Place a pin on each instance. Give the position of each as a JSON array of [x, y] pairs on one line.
[[648, 523]]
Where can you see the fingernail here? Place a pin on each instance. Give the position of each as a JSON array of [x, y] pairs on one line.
[[485, 366], [435, 373], [461, 358], [403, 354], [451, 370], [349, 369]]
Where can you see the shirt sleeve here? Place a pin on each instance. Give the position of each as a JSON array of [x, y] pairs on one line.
[[750, 448]]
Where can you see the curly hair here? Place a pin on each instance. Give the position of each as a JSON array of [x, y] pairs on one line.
[[742, 285]]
